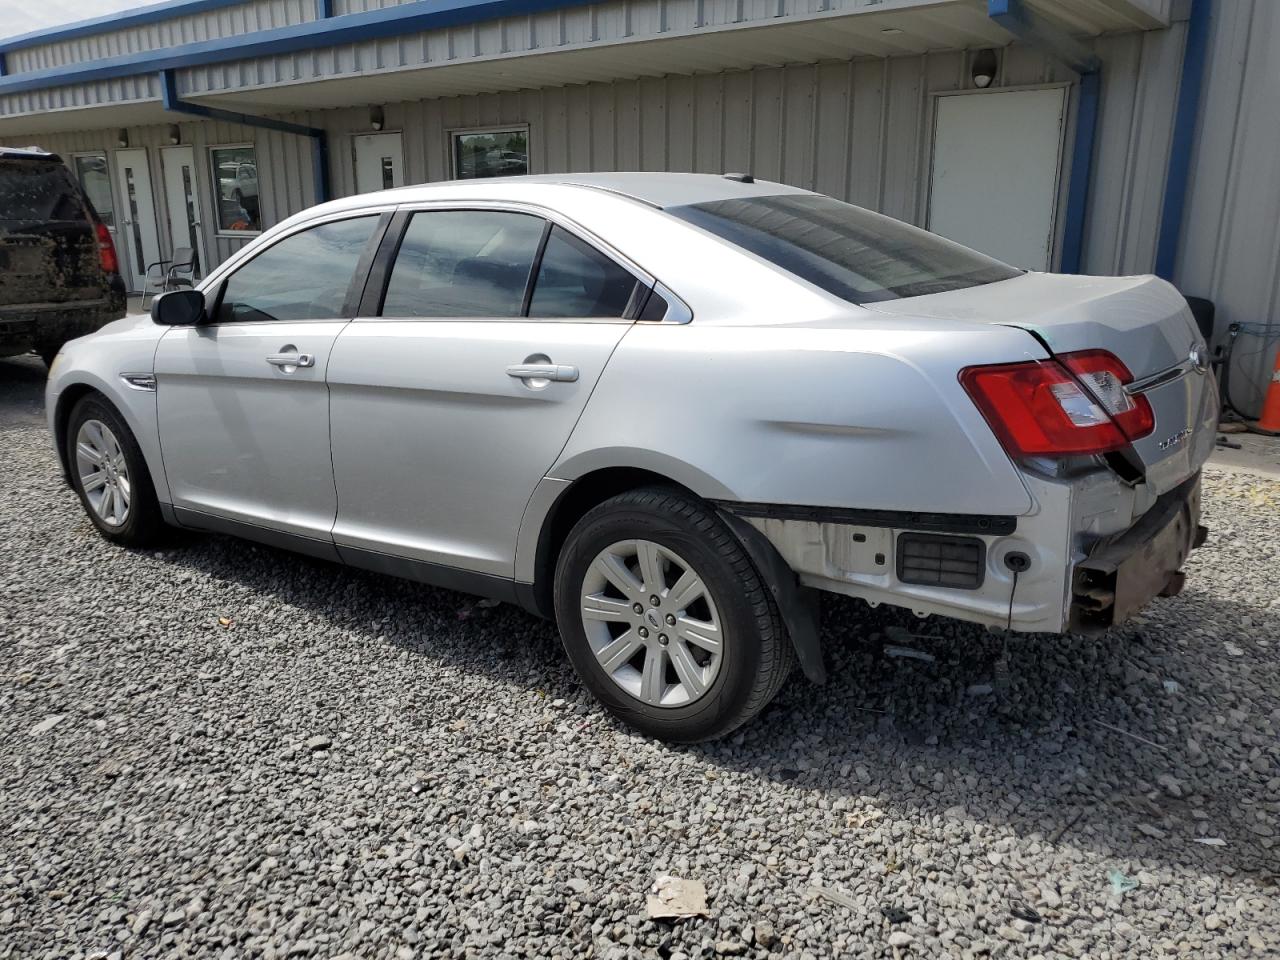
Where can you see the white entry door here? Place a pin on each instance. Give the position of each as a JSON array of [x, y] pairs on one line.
[[997, 158], [182, 198], [379, 159], [138, 239]]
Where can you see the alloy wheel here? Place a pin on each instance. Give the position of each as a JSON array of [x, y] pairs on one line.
[[652, 623], [103, 472]]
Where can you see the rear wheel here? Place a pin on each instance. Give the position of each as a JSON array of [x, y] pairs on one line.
[[665, 618], [110, 475]]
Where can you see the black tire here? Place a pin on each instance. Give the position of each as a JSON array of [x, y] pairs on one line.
[[757, 654], [47, 351], [143, 524]]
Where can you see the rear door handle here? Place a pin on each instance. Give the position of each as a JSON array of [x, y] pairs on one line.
[[560, 372], [292, 360]]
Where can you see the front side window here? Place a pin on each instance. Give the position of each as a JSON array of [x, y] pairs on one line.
[[463, 263], [235, 179], [91, 170], [576, 280], [490, 153], [850, 252], [305, 276]]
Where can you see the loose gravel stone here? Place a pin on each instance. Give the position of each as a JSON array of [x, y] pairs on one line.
[[184, 805]]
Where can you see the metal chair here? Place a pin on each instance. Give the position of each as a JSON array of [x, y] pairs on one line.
[[172, 274]]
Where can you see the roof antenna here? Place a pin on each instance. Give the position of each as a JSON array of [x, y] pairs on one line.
[[740, 177]]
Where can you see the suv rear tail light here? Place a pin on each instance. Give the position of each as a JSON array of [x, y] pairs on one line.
[[106, 249], [1074, 405]]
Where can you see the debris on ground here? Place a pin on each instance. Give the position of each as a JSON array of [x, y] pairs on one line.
[[674, 897], [835, 896], [909, 653], [894, 913], [47, 724], [1210, 841], [1120, 884]]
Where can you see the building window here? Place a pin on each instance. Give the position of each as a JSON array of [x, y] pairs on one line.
[[235, 178], [91, 171], [490, 153]]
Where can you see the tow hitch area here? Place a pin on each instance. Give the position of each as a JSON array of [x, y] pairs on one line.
[[1124, 573]]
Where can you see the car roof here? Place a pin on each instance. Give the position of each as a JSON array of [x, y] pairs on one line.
[[655, 189], [28, 153]]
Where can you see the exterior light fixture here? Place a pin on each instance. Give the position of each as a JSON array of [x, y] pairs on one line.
[[175, 134], [984, 68], [376, 119], [122, 137]]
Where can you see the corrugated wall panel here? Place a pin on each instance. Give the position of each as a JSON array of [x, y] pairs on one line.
[[1231, 236], [226, 22]]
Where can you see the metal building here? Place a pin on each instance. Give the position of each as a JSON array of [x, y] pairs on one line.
[[1096, 136]]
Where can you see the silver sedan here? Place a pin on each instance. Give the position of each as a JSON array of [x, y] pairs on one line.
[[667, 410]]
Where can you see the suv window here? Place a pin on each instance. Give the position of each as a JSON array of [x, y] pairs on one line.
[[305, 276], [853, 253], [463, 263], [576, 280], [40, 190]]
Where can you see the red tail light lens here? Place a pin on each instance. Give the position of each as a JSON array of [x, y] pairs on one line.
[[1042, 408], [106, 249], [1105, 377]]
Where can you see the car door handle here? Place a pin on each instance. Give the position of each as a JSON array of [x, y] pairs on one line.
[[292, 360], [560, 372]]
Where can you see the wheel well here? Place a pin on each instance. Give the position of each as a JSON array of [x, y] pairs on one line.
[[67, 401], [583, 494]]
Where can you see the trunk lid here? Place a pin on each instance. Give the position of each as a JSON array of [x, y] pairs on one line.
[[1143, 321]]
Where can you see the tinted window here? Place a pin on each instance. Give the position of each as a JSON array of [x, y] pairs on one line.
[[848, 251], [463, 263], [235, 174], [303, 277], [576, 280], [38, 191]]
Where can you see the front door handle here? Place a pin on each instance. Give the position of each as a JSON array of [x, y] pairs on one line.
[[560, 372], [286, 360]]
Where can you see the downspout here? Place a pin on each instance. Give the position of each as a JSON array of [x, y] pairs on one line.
[[1033, 29], [1184, 128], [319, 142]]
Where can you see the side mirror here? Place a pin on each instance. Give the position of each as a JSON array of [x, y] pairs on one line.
[[178, 308]]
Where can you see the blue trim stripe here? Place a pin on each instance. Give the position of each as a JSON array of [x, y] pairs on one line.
[[413, 17], [1180, 144], [155, 13]]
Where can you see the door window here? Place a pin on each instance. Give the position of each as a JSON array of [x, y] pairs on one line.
[[91, 168], [576, 280], [463, 263], [305, 276]]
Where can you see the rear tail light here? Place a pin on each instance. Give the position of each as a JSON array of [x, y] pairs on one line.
[[1074, 405], [1105, 377], [106, 249]]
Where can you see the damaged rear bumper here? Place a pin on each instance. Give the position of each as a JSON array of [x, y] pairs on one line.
[[1124, 572]]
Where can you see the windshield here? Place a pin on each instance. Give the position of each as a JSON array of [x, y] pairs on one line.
[[853, 253]]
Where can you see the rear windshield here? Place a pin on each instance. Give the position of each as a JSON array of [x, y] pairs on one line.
[[853, 253], [38, 191]]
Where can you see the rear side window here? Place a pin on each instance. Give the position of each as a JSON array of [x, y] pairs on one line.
[[463, 263], [38, 191], [305, 276], [850, 252], [576, 280]]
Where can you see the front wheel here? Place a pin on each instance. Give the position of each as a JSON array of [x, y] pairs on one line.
[[110, 475], [665, 618]]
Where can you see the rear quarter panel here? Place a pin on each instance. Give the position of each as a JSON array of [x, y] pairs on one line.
[[864, 412]]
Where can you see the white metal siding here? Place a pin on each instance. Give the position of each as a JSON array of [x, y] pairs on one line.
[[1230, 249], [226, 22]]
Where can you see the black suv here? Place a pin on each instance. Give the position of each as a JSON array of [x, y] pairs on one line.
[[59, 277]]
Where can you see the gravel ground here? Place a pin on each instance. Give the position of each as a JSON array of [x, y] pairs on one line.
[[222, 750]]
